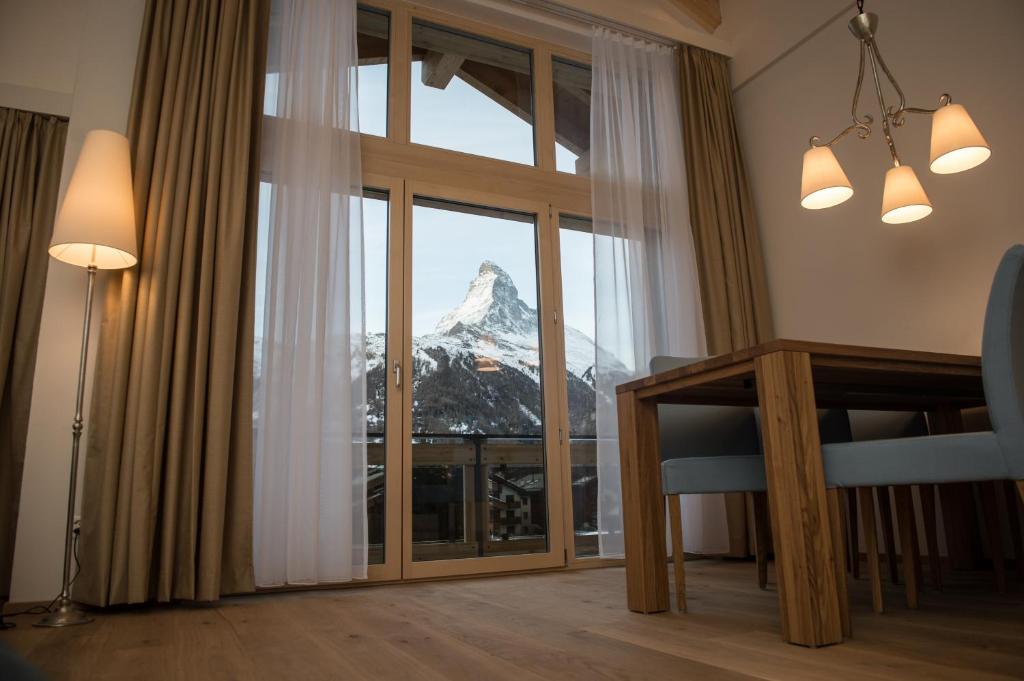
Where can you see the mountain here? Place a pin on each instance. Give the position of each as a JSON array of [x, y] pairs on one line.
[[478, 371]]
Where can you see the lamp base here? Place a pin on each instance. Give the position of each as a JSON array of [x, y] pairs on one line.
[[66, 615]]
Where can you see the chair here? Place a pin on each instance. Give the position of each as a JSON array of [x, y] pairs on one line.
[[713, 450], [963, 457]]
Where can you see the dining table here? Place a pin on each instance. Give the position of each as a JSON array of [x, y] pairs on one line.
[[788, 380]]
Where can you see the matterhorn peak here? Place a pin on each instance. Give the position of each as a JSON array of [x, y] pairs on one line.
[[492, 301]]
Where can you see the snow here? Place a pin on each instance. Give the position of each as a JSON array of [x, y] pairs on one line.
[[491, 322]]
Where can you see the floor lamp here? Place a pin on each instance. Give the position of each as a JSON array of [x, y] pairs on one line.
[[95, 229]]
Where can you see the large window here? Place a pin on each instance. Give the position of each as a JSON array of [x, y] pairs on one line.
[[479, 484], [481, 451], [471, 94]]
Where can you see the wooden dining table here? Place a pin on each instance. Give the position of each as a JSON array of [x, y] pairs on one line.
[[788, 380]]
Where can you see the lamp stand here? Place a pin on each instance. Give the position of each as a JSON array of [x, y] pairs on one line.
[[66, 613]]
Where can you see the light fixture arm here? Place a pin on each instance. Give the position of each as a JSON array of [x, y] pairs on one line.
[[863, 27]]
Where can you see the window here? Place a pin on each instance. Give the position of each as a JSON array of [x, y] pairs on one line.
[[576, 243], [372, 39], [375, 290], [373, 30], [571, 83], [477, 402], [471, 94]]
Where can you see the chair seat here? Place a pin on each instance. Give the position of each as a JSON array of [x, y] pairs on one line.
[[713, 474], [963, 457]]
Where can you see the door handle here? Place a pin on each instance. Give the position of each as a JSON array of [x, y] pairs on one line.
[[397, 368]]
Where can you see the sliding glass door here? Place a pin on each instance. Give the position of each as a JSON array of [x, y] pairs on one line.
[[482, 419]]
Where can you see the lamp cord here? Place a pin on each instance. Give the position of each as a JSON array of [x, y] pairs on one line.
[[860, 6], [43, 609]]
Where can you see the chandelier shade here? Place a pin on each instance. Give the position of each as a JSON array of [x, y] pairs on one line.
[[957, 144], [903, 199], [823, 183]]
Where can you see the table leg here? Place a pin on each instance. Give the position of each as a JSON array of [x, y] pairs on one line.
[[805, 557], [643, 511]]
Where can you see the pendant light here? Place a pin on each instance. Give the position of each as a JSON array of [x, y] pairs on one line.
[[956, 143]]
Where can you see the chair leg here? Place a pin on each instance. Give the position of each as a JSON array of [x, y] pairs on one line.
[[762, 537], [675, 519], [1020, 489], [835, 520], [931, 533], [995, 533], [905, 518], [867, 521], [851, 499], [885, 516]]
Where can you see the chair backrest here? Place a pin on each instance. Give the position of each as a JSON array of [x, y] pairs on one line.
[[703, 430], [1002, 358]]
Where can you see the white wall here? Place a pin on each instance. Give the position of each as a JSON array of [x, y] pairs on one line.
[[841, 274], [76, 58]]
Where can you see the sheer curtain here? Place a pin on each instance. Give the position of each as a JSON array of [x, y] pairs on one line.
[[310, 396], [647, 295]]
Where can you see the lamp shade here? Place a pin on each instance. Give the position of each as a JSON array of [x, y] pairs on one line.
[[96, 222], [957, 144], [903, 199], [823, 184]]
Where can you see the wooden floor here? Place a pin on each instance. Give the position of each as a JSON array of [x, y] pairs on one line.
[[568, 625]]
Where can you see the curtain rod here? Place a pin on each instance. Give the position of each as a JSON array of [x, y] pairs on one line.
[[567, 12]]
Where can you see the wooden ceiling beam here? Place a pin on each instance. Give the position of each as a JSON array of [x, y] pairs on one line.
[[707, 13]]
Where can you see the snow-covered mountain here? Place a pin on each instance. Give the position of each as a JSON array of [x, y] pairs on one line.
[[479, 370]]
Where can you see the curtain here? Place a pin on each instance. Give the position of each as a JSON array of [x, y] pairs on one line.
[[310, 487], [31, 149], [167, 500], [645, 276], [734, 289]]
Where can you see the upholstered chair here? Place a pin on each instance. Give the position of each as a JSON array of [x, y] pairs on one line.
[[963, 457], [717, 449]]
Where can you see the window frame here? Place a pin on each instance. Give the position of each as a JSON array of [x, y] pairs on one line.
[[405, 169]]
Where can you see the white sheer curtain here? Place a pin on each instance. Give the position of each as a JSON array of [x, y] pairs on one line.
[[645, 274], [310, 395]]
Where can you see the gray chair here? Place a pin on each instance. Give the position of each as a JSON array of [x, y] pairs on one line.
[[716, 449], [963, 457]]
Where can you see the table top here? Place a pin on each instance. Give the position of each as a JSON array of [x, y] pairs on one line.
[[848, 376]]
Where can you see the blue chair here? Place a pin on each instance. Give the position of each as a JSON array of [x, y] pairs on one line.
[[713, 450], [963, 457]]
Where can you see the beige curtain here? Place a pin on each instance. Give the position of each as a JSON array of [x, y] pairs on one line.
[[734, 290], [167, 503], [31, 150]]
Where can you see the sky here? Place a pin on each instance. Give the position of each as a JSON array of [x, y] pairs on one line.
[[448, 246]]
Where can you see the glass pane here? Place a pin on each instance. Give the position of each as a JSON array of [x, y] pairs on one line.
[[375, 272], [372, 39], [576, 242], [375, 245], [479, 482], [471, 94], [373, 32], [572, 116]]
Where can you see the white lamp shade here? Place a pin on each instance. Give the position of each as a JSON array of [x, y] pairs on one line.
[[823, 184], [903, 199], [96, 222], [957, 144]]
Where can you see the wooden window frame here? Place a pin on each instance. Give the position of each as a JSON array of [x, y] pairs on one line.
[[404, 169]]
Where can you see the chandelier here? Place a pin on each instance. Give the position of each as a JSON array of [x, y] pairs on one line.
[[956, 143]]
